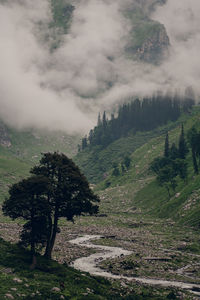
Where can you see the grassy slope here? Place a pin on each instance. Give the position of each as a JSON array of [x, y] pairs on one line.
[[140, 189], [20, 282], [94, 163], [25, 151]]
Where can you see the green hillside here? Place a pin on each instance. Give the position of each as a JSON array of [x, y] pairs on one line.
[[138, 187], [135, 213], [20, 150]]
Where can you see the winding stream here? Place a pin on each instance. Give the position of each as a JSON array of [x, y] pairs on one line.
[[90, 264]]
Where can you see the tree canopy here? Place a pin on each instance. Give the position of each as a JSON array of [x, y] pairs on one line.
[[56, 189], [172, 164], [136, 115]]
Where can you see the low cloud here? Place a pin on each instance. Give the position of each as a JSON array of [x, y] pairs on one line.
[[89, 72]]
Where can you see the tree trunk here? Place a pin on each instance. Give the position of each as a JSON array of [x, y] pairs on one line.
[[34, 262], [48, 237], [53, 237], [196, 170], [33, 241]]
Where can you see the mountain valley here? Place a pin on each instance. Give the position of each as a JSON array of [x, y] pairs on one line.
[[70, 63]]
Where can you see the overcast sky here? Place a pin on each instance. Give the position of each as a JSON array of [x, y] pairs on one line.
[[89, 73]]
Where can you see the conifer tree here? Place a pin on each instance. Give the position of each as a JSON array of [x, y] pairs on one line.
[[182, 144], [166, 149], [193, 138], [173, 153], [99, 120]]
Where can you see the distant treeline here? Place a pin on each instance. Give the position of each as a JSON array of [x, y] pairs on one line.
[[138, 115]]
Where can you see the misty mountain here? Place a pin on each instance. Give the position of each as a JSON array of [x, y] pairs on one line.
[[67, 60], [147, 40]]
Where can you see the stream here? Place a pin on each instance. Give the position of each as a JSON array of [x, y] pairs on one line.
[[90, 264]]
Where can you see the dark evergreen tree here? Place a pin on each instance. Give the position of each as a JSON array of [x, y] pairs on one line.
[[173, 152], [84, 143], [127, 161], [138, 115], [166, 172], [99, 123], [166, 147], [70, 194], [57, 189], [183, 150], [123, 168], [180, 166], [28, 200], [194, 141]]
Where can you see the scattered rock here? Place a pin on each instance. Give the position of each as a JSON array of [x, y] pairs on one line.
[[9, 296], [18, 280], [55, 289]]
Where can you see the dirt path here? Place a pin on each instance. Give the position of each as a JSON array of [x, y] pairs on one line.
[[90, 264]]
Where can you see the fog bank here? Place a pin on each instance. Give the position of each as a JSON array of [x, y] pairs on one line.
[[65, 89]]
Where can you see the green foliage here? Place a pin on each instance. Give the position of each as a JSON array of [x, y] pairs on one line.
[[168, 167], [141, 190], [127, 161], [174, 152], [57, 189], [183, 150], [194, 141], [166, 172], [27, 201], [115, 171], [166, 150], [135, 116]]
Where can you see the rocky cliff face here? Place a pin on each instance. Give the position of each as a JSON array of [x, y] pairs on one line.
[[148, 39], [155, 47]]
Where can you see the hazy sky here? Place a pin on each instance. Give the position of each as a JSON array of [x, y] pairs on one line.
[[67, 88]]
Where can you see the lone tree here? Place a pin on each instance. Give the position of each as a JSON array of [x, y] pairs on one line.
[[27, 200], [165, 171], [66, 193]]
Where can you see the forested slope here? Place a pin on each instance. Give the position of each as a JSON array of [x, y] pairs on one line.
[[137, 184]]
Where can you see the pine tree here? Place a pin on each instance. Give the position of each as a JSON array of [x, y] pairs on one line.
[[99, 123], [173, 153], [182, 144], [84, 143], [166, 149], [193, 139]]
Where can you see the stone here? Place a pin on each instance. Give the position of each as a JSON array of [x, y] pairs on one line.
[[55, 289], [18, 280], [9, 296]]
